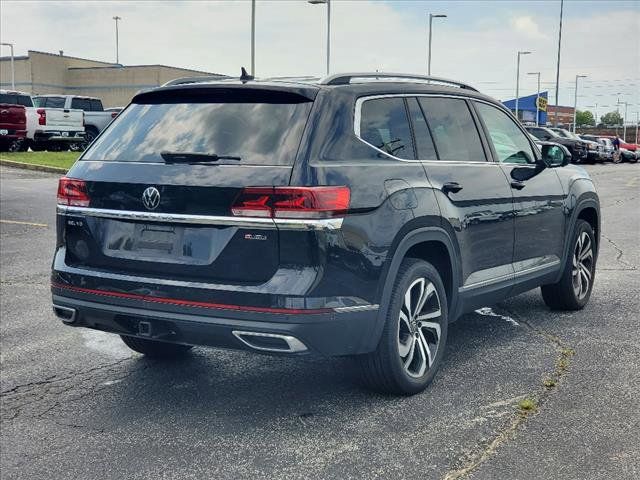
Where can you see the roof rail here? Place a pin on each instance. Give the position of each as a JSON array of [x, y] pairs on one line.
[[346, 78], [198, 79]]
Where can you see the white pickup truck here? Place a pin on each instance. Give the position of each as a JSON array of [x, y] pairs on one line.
[[95, 118], [48, 128]]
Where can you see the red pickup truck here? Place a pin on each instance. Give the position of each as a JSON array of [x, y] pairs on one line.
[[13, 126]]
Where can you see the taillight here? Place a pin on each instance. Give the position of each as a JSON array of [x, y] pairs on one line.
[[72, 192], [292, 202], [42, 116]]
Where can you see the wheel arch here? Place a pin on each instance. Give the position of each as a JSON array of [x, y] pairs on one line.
[[426, 243]]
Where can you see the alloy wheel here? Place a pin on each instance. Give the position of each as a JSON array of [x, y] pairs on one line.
[[419, 327], [582, 272]]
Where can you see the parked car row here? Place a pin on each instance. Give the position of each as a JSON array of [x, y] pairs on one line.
[[587, 148], [50, 122]]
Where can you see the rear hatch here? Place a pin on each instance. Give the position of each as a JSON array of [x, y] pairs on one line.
[[12, 117], [161, 180]]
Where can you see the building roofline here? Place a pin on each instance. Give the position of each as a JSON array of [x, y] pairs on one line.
[[69, 56], [145, 66], [8, 58]]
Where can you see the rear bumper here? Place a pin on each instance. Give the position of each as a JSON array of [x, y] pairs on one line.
[[12, 135], [326, 334], [59, 136]]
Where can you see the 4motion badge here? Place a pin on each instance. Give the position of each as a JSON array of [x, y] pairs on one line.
[[254, 236]]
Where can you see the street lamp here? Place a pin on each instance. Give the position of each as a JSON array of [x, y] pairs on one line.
[[13, 70], [518, 80], [328, 3], [624, 122], [253, 38], [537, 98], [117, 19], [431, 17], [575, 102]]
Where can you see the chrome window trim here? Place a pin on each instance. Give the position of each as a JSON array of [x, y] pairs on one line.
[[357, 117], [243, 222]]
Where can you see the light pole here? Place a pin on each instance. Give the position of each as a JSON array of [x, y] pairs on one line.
[[575, 102], [431, 17], [555, 113], [253, 38], [624, 122], [637, 123], [328, 3], [518, 80], [117, 19], [537, 98], [13, 69]]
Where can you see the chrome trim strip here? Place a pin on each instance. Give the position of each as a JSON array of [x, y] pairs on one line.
[[356, 308], [513, 276], [293, 343], [243, 222], [357, 117]]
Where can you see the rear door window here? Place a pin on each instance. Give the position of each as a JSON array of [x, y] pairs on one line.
[[424, 142], [384, 125], [454, 131], [260, 133], [96, 105], [80, 103]]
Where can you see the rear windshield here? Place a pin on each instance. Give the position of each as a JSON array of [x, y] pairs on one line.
[[16, 99], [258, 133]]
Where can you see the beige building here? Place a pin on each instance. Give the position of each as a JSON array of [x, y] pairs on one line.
[[47, 73]]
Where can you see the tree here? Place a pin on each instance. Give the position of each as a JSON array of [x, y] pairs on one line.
[[611, 118], [584, 118]]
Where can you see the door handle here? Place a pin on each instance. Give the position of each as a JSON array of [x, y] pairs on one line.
[[517, 184], [453, 187]]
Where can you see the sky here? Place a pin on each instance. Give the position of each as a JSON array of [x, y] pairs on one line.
[[477, 43]]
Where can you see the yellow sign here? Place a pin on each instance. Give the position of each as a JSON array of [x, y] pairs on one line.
[[542, 104]]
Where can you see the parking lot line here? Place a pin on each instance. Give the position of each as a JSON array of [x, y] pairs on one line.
[[19, 222]]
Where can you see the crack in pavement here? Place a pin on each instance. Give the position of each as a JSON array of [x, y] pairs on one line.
[[620, 253], [470, 462], [36, 399]]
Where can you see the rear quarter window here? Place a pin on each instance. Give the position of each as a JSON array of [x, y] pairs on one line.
[[384, 125]]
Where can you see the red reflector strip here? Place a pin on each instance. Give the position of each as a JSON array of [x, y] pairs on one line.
[[189, 303]]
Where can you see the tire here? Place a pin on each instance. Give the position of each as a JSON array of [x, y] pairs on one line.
[[573, 290], [404, 363], [154, 348], [89, 136]]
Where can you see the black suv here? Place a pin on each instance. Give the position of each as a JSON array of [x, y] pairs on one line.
[[356, 215], [579, 148]]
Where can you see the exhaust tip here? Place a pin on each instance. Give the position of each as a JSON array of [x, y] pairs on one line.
[[270, 342], [66, 314]]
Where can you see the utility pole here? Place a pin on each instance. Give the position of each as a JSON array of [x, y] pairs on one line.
[[555, 113], [117, 19], [624, 122], [637, 123], [431, 17], [518, 81], [253, 38], [537, 98], [575, 102], [328, 3], [13, 68]]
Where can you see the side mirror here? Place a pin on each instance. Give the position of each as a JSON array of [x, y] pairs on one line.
[[555, 156]]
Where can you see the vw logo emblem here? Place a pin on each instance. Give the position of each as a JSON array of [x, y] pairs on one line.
[[151, 198]]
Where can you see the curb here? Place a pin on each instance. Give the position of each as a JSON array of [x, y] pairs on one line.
[[32, 166]]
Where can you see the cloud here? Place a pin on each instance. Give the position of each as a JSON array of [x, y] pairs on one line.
[[366, 35], [527, 26]]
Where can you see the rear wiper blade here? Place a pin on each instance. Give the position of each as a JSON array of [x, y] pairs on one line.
[[194, 157]]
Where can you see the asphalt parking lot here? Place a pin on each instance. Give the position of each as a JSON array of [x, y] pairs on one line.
[[77, 404]]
